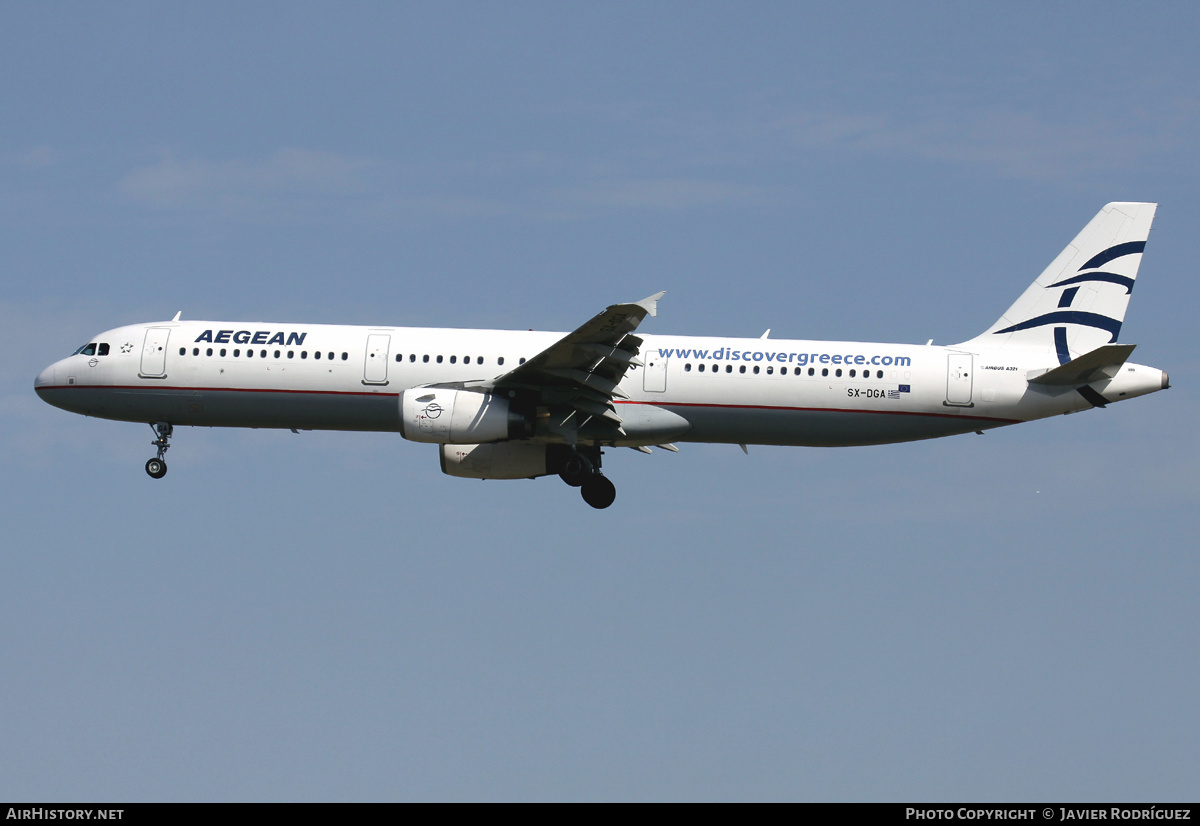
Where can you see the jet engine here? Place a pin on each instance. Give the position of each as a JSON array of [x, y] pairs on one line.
[[503, 460], [442, 416]]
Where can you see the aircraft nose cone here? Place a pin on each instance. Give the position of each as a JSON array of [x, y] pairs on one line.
[[44, 379]]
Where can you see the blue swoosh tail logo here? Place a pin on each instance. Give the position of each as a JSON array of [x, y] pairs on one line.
[[1101, 322], [1120, 250], [1110, 277]]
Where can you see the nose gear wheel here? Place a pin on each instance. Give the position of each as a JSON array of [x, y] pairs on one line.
[[157, 467]]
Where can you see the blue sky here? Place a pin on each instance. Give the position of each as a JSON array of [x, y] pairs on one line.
[[328, 617]]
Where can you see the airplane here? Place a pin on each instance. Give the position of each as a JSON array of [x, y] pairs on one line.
[[503, 404]]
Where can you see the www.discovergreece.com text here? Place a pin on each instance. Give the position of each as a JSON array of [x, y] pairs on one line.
[[799, 359]]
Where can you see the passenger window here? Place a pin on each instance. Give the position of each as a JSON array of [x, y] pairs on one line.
[[878, 374], [412, 357], [522, 360], [687, 368], [303, 354], [195, 351], [237, 352], [500, 361], [838, 372], [824, 371], [317, 355], [728, 368], [425, 359], [452, 359], [262, 354], [479, 360], [183, 351], [851, 374], [756, 369], [276, 354], [770, 371], [222, 352], [812, 371], [209, 352], [345, 356], [291, 353], [741, 368], [700, 367], [439, 359]]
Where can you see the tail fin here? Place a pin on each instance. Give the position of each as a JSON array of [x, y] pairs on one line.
[[1078, 303]]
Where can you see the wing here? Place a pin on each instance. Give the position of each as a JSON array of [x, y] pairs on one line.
[[575, 379]]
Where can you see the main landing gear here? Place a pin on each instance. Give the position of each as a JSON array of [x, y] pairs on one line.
[[157, 467], [581, 469]]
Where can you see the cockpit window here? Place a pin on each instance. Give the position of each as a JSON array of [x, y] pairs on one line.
[[103, 351], [86, 350]]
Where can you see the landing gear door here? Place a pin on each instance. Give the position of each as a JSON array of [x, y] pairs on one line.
[[375, 365], [654, 375], [154, 353], [959, 380]]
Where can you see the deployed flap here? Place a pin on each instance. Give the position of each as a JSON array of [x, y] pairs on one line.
[[1101, 363], [580, 372]]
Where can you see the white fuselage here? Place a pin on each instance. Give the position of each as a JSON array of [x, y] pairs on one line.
[[748, 391]]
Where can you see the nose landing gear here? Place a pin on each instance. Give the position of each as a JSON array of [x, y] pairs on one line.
[[581, 469], [157, 467]]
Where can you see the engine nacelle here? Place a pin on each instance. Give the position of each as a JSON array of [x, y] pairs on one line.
[[502, 460], [442, 416]]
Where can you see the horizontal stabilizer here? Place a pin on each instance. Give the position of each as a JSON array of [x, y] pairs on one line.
[[1101, 363]]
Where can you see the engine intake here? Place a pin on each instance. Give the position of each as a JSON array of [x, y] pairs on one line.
[[445, 416]]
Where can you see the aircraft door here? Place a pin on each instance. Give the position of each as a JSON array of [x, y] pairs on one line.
[[375, 365], [654, 374], [154, 353], [959, 379]]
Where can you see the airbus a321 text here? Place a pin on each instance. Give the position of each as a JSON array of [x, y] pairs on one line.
[[504, 404]]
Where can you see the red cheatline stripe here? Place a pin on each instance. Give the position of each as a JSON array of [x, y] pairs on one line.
[[616, 401], [152, 388], [828, 410]]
